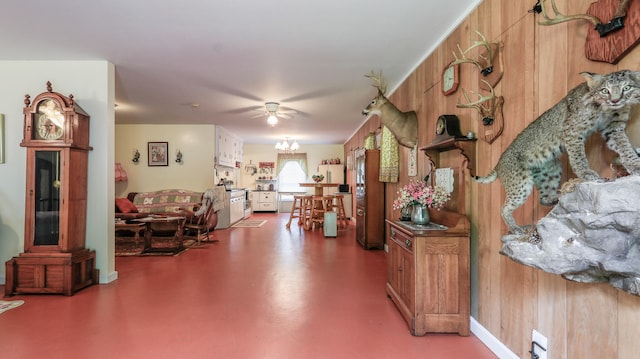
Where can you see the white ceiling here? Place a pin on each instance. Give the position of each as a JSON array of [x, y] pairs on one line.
[[231, 56]]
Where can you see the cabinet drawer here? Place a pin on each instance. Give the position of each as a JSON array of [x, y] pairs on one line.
[[403, 240], [267, 196], [267, 207]]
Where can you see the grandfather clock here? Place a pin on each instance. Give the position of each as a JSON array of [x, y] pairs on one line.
[[55, 260]]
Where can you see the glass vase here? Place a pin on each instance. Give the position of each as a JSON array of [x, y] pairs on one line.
[[405, 213], [420, 215]]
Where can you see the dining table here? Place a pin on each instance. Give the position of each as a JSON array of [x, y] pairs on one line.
[[319, 187]]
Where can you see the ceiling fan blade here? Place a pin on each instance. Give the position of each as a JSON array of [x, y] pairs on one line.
[[284, 115], [243, 110]]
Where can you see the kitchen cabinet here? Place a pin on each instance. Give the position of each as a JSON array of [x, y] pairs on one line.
[[239, 150], [428, 275], [265, 201], [229, 148]]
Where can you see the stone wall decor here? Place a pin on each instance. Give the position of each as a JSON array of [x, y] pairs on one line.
[[591, 235]]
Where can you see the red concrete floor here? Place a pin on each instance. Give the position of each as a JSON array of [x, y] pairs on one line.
[[263, 292]]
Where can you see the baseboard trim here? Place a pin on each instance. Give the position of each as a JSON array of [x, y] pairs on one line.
[[490, 341], [108, 278]]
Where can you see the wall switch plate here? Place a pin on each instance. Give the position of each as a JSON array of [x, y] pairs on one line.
[[542, 341]]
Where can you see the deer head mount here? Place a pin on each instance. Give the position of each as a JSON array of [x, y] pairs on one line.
[[490, 109], [403, 125], [606, 42], [490, 69]]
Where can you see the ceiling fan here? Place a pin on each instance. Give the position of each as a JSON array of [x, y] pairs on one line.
[[273, 110]]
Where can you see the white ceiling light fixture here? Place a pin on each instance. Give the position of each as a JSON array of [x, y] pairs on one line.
[[272, 120], [273, 111], [285, 147]]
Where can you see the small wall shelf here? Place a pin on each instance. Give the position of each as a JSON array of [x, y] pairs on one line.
[[466, 146]]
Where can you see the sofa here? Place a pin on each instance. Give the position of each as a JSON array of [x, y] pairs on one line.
[[162, 202], [171, 202]]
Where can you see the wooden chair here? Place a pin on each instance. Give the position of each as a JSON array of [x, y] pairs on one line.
[[200, 223]]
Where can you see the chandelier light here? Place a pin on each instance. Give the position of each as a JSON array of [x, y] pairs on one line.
[[285, 147]]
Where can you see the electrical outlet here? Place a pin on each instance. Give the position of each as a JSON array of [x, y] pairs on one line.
[[542, 342]]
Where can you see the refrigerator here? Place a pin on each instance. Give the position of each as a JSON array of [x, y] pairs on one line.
[[369, 200], [332, 174]]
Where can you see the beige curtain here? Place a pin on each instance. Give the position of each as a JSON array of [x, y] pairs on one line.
[[389, 157], [283, 158]]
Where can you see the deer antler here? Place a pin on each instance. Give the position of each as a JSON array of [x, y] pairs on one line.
[[487, 112], [560, 18], [488, 58], [380, 83]]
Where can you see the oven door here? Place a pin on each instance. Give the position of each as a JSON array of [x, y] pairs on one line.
[[236, 209]]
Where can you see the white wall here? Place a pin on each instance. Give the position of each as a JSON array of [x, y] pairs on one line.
[[195, 172], [93, 86], [267, 153]]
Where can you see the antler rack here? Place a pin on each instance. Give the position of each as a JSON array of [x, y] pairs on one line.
[[488, 58], [616, 22], [490, 108], [380, 82]]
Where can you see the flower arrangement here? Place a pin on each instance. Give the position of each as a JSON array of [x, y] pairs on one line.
[[317, 178], [421, 194]]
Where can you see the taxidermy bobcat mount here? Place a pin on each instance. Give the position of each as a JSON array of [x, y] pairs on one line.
[[601, 104], [403, 125]]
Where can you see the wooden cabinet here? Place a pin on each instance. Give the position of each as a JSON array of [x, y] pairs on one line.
[[369, 200], [428, 275], [265, 201]]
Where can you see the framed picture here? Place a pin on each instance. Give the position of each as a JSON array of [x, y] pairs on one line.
[[158, 153], [412, 164]]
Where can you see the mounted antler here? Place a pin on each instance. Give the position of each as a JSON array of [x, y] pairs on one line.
[[616, 22], [403, 125], [487, 112], [488, 58], [380, 82], [490, 108]]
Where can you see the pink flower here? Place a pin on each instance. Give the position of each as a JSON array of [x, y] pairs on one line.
[[419, 193]]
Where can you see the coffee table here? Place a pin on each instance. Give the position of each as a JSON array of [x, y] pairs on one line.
[[136, 228], [163, 229]]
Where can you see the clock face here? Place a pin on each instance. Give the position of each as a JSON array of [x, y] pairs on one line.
[[450, 79], [448, 126], [440, 125], [49, 121]]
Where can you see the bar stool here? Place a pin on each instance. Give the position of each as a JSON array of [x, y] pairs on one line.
[[317, 211], [307, 205], [297, 205], [341, 214]]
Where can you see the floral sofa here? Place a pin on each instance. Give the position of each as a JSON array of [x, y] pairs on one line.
[[165, 202]]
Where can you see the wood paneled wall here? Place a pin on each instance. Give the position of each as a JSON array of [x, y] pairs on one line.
[[542, 63]]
